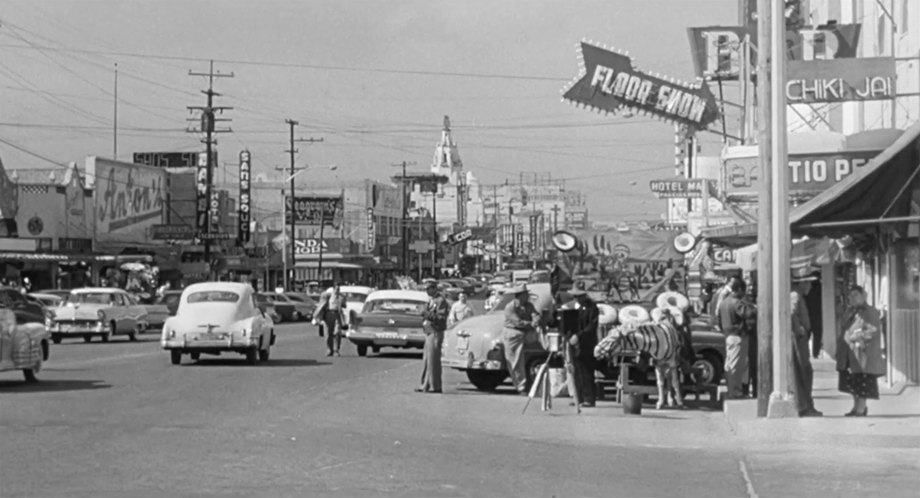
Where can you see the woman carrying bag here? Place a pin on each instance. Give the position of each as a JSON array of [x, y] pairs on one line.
[[859, 352]]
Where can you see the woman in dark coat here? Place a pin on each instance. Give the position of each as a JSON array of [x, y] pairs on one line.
[[859, 352]]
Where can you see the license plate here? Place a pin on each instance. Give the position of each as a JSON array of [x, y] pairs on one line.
[[463, 343], [388, 335], [212, 337]]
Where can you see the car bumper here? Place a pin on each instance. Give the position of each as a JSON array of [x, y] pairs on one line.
[[76, 329], [469, 362], [386, 339], [217, 343]]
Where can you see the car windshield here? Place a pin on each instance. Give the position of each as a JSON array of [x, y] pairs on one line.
[[213, 297], [90, 298], [296, 299], [388, 306], [278, 297], [354, 297], [539, 277]]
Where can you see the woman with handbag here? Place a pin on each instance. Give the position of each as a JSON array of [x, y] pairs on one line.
[[859, 352]]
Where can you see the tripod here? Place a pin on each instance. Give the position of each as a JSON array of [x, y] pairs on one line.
[[542, 381]]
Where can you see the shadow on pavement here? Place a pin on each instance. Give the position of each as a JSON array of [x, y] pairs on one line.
[[19, 386], [233, 362], [398, 355]]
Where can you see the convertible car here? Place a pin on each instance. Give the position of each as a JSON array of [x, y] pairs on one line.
[[474, 345], [390, 318], [218, 317]]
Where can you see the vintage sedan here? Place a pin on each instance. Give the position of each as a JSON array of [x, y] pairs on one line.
[[23, 345], [218, 317], [96, 311], [26, 310], [304, 306], [390, 318], [47, 300]]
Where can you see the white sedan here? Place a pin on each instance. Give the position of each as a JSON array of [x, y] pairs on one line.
[[214, 317]]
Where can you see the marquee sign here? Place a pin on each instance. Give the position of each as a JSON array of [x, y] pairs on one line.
[[314, 210], [244, 213], [371, 241], [840, 80], [608, 81], [201, 197], [717, 56]]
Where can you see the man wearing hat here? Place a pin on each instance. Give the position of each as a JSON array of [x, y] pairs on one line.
[[581, 346], [801, 328], [521, 317], [434, 324]]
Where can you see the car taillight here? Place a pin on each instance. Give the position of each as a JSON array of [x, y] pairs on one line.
[[100, 314]]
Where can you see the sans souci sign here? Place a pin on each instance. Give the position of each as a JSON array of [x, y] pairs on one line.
[[609, 81], [807, 172], [680, 188], [243, 211], [840, 80]]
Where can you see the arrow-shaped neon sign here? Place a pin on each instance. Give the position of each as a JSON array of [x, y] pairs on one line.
[[608, 81]]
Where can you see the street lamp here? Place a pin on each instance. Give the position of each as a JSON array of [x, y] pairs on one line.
[[288, 281]]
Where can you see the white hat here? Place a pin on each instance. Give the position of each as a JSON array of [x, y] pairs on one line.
[[633, 314], [678, 314]]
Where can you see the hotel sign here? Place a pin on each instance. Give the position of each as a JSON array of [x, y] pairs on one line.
[[678, 188], [840, 80], [608, 82]]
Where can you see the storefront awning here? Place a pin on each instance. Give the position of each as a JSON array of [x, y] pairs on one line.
[[338, 265], [880, 192], [731, 235]]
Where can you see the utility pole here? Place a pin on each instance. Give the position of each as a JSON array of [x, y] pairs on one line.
[[289, 279], [208, 120], [115, 118], [405, 215]]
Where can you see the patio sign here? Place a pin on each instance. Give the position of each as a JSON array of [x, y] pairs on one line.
[[608, 82]]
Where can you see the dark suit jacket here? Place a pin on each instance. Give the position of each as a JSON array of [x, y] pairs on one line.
[[587, 328]]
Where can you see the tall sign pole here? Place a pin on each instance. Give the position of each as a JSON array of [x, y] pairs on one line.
[[782, 403], [765, 220]]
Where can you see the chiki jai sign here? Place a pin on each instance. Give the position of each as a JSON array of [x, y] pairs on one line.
[[608, 81], [808, 173], [128, 198], [840, 80]]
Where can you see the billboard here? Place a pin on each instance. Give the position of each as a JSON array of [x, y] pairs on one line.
[[808, 173], [608, 82], [244, 210], [313, 210], [167, 159], [128, 199], [840, 80]]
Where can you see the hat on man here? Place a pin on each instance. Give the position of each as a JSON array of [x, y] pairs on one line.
[[576, 292], [803, 274]]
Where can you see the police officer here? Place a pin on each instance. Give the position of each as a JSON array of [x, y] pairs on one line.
[[434, 325]]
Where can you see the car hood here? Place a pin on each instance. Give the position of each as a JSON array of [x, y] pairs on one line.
[[78, 311], [483, 331]]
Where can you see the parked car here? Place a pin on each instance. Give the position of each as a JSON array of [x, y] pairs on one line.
[[46, 300], [154, 315], [283, 306], [462, 285], [96, 311], [26, 310], [62, 293], [218, 317], [304, 305], [474, 345], [170, 299], [266, 302], [390, 318], [23, 346], [355, 295]]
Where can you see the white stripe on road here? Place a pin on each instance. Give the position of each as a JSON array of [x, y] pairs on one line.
[[747, 480]]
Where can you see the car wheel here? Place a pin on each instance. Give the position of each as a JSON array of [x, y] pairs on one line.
[[175, 356], [56, 339], [710, 366], [87, 338], [486, 380], [362, 350], [265, 354], [194, 356], [252, 357], [132, 336], [376, 349], [31, 373]]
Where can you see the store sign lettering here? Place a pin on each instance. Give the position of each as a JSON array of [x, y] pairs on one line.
[[841, 80], [807, 172], [244, 211], [129, 198], [201, 198], [609, 82]]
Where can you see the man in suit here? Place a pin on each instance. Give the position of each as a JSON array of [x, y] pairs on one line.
[[581, 346], [734, 314], [434, 324], [802, 371]]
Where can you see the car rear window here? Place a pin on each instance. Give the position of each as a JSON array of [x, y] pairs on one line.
[[354, 297], [90, 298], [213, 297], [401, 306]]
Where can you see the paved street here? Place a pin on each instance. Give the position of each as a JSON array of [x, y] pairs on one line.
[[117, 420]]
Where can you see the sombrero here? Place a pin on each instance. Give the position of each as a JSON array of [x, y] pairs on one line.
[[672, 299], [633, 314], [677, 313], [607, 315]]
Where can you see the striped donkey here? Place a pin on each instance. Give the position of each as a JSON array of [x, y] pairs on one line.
[[661, 340]]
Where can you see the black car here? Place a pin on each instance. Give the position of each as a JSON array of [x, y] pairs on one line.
[[26, 310], [170, 299]]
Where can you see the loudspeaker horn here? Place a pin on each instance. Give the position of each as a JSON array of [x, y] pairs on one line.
[[684, 242], [565, 241]]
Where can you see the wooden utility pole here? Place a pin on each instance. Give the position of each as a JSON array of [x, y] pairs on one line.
[[405, 216], [289, 280], [208, 120]]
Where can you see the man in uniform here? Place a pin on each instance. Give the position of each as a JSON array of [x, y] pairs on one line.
[[434, 325], [802, 371], [581, 346], [521, 317]]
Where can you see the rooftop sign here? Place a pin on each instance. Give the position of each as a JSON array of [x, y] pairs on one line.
[[608, 81]]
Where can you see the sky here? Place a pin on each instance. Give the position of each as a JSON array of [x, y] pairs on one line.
[[372, 78]]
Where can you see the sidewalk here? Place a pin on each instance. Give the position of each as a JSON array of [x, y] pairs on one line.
[[895, 416]]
